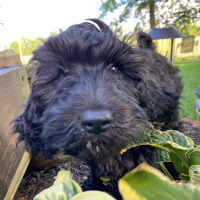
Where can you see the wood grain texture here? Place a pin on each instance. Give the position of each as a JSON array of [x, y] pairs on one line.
[[14, 90]]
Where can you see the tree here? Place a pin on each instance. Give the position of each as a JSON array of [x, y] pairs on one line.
[[15, 46], [159, 12], [27, 45], [53, 33], [183, 15], [129, 6]]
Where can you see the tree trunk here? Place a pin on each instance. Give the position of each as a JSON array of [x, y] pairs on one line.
[[151, 12]]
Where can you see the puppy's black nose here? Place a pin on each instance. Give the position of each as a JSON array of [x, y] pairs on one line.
[[96, 121]]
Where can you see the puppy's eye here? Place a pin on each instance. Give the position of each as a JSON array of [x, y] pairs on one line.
[[114, 70], [64, 73]]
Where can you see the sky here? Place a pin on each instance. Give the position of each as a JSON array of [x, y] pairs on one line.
[[37, 18]]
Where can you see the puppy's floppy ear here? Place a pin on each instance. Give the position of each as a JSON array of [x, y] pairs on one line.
[[145, 41], [29, 127], [155, 79], [49, 70]]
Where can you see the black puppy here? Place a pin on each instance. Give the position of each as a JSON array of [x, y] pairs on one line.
[[93, 94]]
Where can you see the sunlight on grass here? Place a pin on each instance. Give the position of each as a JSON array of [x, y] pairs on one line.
[[190, 71]]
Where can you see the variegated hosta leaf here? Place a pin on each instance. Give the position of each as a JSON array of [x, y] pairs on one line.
[[194, 170], [171, 146], [162, 155], [194, 173], [195, 156], [180, 139], [179, 151], [157, 138], [148, 183], [179, 166], [92, 195], [64, 188]]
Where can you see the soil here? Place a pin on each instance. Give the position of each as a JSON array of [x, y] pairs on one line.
[[41, 175]]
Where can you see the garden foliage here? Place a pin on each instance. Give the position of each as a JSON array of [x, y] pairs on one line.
[[145, 182]]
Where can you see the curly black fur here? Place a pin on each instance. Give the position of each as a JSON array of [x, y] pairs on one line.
[[83, 69]]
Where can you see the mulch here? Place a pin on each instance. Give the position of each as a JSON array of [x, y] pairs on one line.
[[37, 179]]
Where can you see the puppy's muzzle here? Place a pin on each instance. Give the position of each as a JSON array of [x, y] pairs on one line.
[[96, 121]]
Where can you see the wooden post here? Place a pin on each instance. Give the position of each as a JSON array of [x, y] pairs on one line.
[[14, 90]]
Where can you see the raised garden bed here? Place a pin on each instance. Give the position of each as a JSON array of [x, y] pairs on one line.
[[14, 90]]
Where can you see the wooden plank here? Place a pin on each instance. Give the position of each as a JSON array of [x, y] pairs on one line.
[[9, 58], [18, 176], [14, 90]]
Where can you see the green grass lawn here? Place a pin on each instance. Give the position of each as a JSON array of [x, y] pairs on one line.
[[190, 72]]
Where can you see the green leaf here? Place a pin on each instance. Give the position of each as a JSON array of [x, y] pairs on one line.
[[157, 138], [194, 173], [171, 146], [65, 177], [178, 163], [181, 139], [148, 183], [179, 151], [105, 179], [64, 188], [92, 195], [162, 155], [195, 156], [184, 177]]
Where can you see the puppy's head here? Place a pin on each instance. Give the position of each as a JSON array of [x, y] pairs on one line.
[[88, 94]]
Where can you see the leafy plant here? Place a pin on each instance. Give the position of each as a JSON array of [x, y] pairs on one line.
[[92, 195], [65, 188], [147, 183], [144, 182], [173, 146]]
